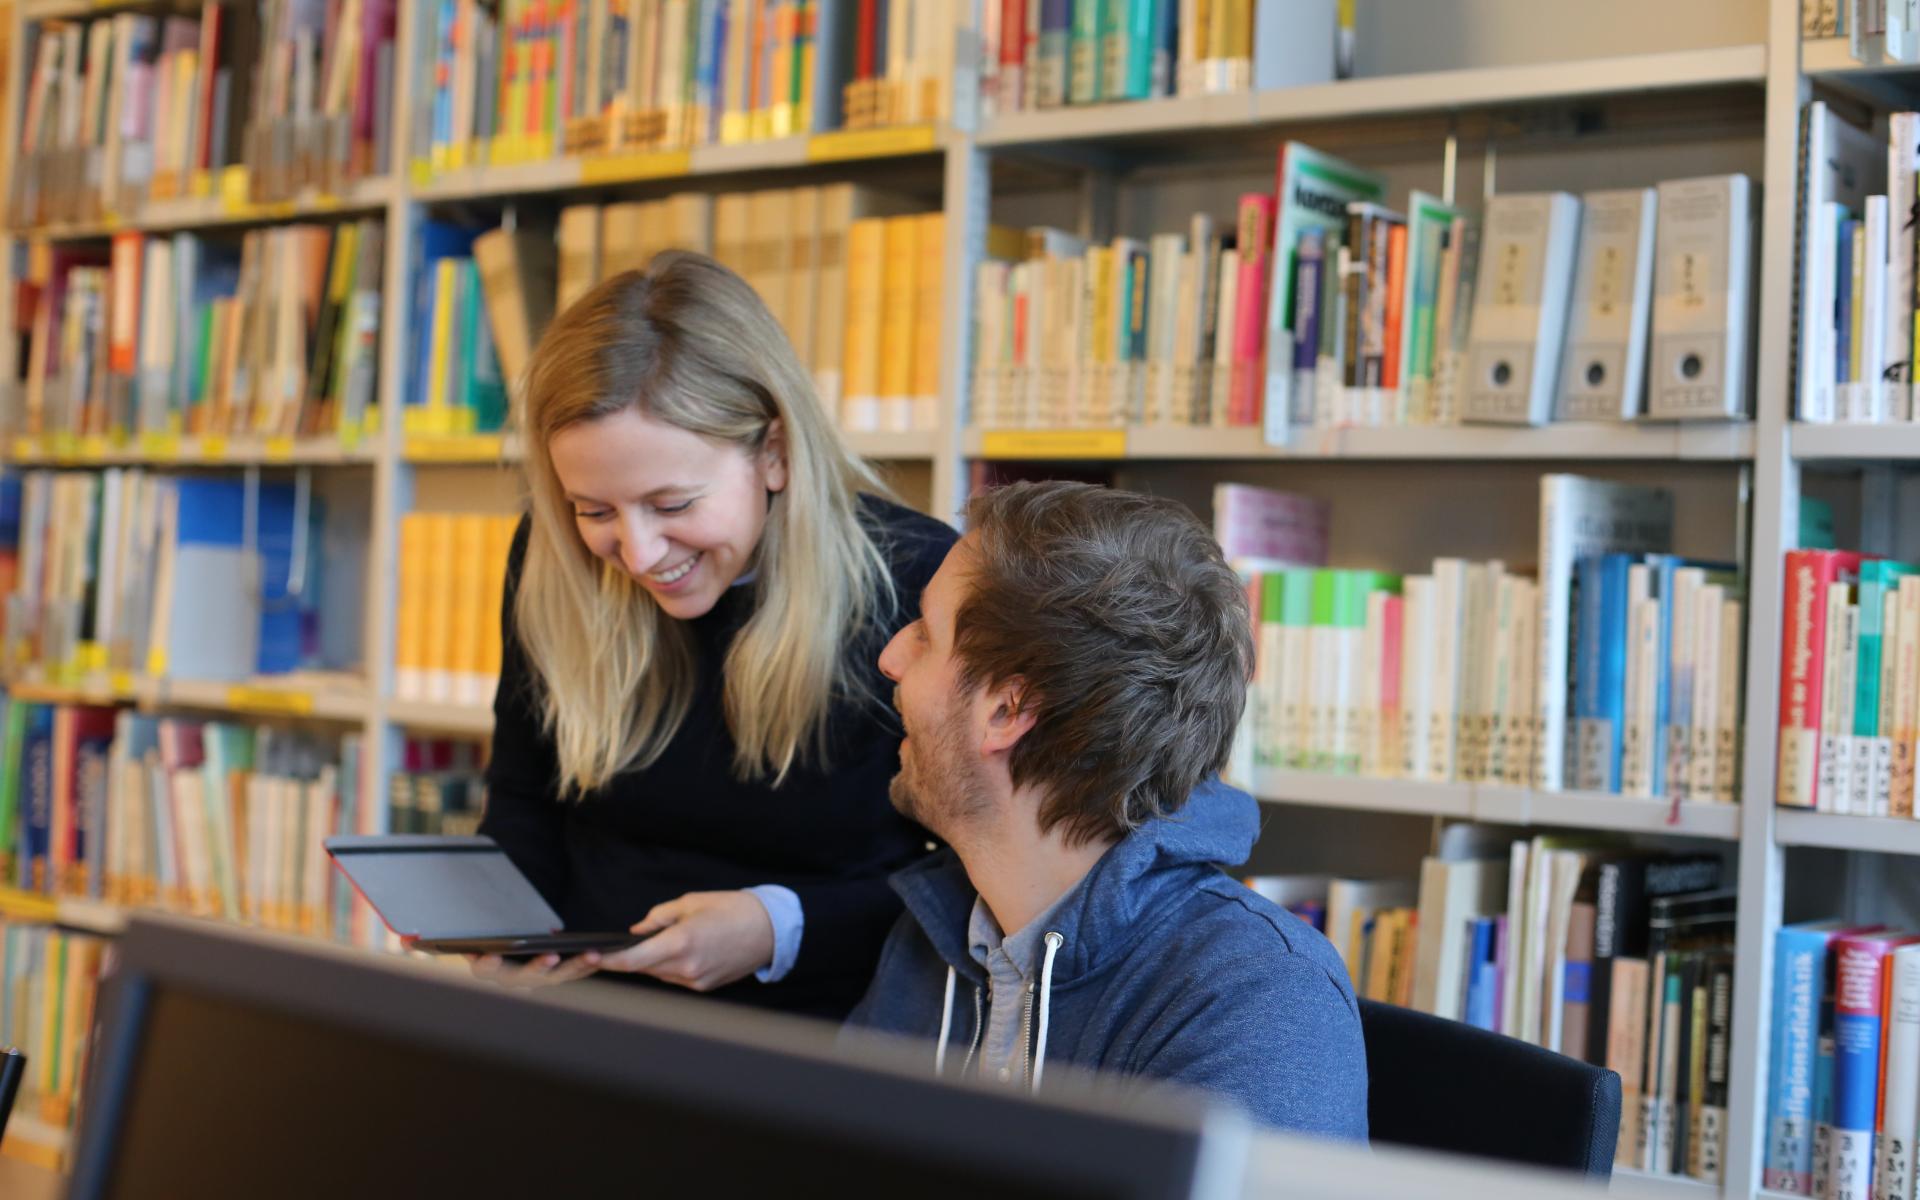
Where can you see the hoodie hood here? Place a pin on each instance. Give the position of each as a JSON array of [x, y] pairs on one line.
[[1119, 899]]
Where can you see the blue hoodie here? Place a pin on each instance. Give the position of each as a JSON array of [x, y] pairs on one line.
[[1165, 968]]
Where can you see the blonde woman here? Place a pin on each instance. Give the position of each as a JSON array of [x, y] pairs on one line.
[[691, 737]]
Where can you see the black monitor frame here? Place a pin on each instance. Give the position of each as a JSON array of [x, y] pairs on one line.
[[1145, 1145]]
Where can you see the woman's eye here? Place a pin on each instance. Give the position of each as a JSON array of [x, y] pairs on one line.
[[592, 515], [671, 509]]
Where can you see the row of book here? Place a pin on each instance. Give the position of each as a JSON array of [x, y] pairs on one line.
[[1857, 255], [1843, 1067], [448, 634], [530, 79], [1613, 665], [130, 107], [1849, 683], [201, 817], [198, 577], [1876, 31], [1039, 54], [1322, 307], [854, 275], [456, 382], [1431, 676], [274, 333], [441, 788], [48, 978], [1619, 957]]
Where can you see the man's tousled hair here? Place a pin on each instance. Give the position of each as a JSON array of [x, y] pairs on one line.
[[1129, 636]]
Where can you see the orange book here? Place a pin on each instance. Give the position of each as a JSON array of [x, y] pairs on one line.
[[410, 632], [860, 361], [931, 235], [898, 330], [1396, 303]]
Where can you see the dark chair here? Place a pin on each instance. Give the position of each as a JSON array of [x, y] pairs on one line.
[[13, 1067], [1444, 1085]]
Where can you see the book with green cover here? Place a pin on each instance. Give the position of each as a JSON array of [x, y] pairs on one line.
[[1084, 48], [1428, 220], [1313, 191]]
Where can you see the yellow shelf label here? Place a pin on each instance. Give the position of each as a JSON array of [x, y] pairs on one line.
[[269, 700], [213, 446], [871, 143], [93, 658], [26, 906], [623, 168], [422, 172], [480, 447], [160, 446], [121, 682], [279, 449], [63, 446], [202, 183], [26, 449], [94, 446], [1053, 443]]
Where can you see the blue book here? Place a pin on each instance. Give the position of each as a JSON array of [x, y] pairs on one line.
[[1860, 963], [1480, 1009], [1309, 261], [1589, 759], [706, 67], [36, 807], [437, 240], [1053, 53], [1794, 1062], [1843, 303], [1166, 49]]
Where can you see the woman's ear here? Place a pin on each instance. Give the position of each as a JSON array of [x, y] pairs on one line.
[[773, 456]]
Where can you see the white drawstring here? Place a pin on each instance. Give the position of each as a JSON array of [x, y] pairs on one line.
[[1054, 942], [946, 1027]]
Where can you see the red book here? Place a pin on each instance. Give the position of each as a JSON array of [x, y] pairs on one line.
[[1396, 303], [1255, 243], [1802, 662], [863, 47], [210, 16]]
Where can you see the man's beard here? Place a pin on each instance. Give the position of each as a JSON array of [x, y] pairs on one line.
[[936, 787]]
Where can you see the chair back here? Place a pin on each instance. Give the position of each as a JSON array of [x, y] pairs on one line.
[[1445, 1085]]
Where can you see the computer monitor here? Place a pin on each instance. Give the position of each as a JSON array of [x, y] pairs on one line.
[[235, 1063]]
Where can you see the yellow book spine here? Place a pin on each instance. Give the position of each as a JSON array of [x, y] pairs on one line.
[[499, 549], [898, 328], [860, 366], [410, 626], [439, 608], [931, 233], [439, 417], [469, 604]]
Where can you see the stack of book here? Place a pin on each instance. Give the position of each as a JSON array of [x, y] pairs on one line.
[[441, 788], [853, 275], [452, 571], [1323, 307], [527, 80], [1615, 956], [1849, 684], [48, 978], [1843, 1069], [1041, 54], [276, 334], [134, 107], [207, 818], [121, 570]]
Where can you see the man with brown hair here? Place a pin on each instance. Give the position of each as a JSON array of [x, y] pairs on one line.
[[1069, 694]]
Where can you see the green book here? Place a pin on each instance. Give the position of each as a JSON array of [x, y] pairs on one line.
[[13, 736], [1083, 53], [1879, 578]]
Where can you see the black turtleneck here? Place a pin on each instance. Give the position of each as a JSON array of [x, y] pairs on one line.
[[687, 823]]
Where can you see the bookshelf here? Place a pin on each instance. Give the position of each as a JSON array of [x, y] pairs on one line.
[[1511, 123]]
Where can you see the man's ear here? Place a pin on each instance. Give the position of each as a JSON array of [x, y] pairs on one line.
[[1010, 714]]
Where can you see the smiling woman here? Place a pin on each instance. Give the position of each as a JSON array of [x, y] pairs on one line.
[[691, 734]]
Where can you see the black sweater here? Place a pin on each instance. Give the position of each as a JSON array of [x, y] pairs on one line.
[[687, 823]]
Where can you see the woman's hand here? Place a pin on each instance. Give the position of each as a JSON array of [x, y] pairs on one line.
[[539, 972], [701, 941]]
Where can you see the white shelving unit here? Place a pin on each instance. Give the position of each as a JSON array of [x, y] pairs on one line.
[[1764, 81]]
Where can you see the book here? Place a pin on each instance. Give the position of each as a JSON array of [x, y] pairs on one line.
[[1520, 307], [1605, 370], [1703, 298]]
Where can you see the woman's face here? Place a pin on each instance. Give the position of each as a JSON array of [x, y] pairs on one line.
[[682, 515]]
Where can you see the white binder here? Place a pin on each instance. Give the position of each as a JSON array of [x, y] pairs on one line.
[[1702, 304], [1604, 374], [1520, 309]]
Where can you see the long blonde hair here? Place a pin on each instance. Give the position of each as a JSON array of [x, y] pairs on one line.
[[690, 344]]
